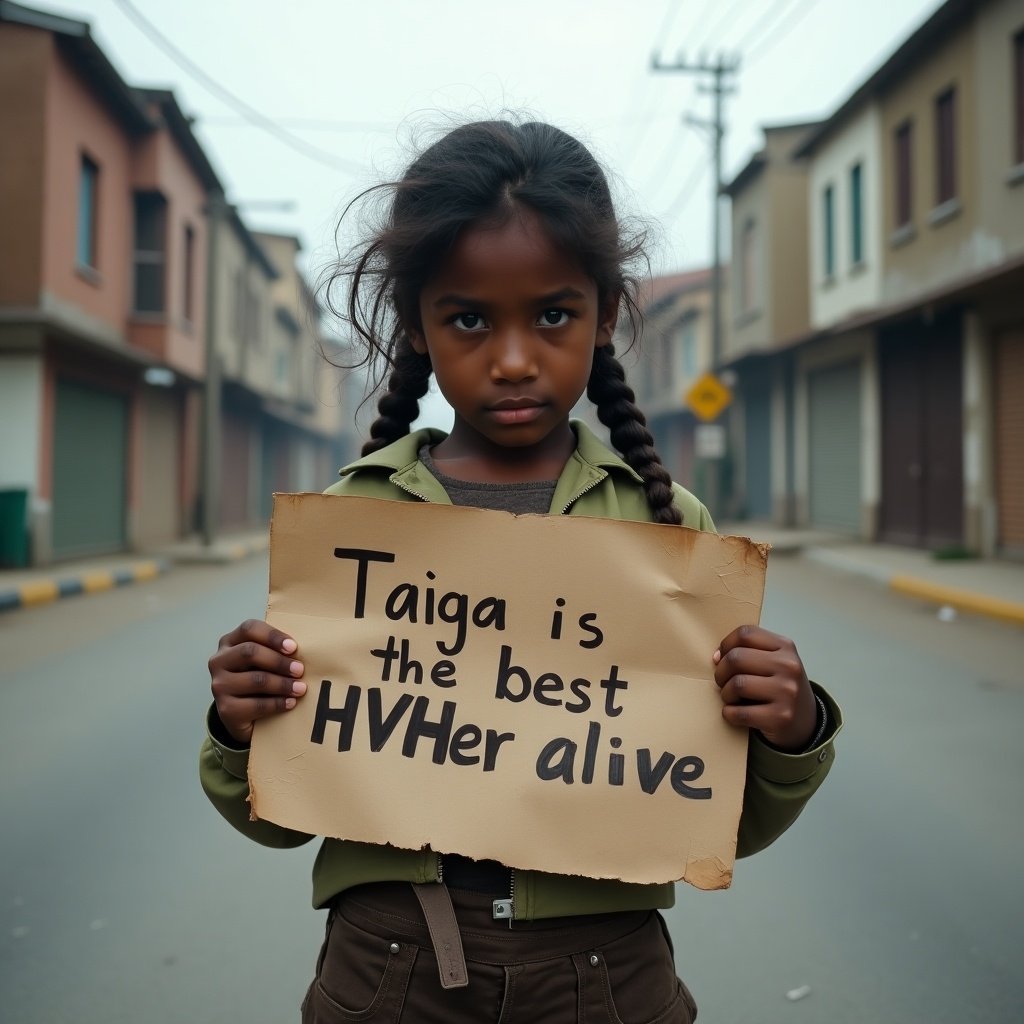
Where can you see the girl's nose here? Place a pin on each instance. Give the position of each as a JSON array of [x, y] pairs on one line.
[[513, 358]]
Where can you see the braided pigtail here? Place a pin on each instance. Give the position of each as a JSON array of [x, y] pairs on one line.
[[400, 404], [617, 410]]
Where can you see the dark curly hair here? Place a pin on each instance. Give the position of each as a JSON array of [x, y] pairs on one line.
[[481, 172]]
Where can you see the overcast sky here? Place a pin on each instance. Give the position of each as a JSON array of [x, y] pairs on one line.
[[357, 83]]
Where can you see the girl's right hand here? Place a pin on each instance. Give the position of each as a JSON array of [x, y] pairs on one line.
[[254, 675]]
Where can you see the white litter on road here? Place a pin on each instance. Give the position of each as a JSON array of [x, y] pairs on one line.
[[795, 994]]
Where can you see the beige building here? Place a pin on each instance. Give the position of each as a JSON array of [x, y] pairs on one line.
[[770, 313], [673, 351]]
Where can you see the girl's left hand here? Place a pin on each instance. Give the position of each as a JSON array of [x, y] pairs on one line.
[[764, 687]]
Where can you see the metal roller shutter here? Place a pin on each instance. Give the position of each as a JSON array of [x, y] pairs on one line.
[[1009, 438], [90, 457], [834, 421], [758, 436]]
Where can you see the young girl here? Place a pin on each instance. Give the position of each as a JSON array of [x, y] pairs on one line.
[[501, 270]]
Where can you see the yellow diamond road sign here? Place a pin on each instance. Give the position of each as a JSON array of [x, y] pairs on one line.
[[708, 397]]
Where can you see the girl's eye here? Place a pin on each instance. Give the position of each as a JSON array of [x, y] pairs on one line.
[[553, 318], [468, 322]]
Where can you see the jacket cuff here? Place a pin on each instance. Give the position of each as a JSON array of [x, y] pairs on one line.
[[787, 769], [233, 758]]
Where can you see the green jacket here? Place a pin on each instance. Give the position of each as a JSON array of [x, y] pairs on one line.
[[595, 482]]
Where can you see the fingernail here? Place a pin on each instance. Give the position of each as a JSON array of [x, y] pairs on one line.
[[288, 646], [299, 688], [295, 668], [289, 702]]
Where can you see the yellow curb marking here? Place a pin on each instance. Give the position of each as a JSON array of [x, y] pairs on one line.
[[146, 571], [979, 604], [94, 582], [39, 592]]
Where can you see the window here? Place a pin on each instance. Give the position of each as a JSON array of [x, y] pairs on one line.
[[88, 196], [904, 196], [150, 245], [856, 215], [190, 244], [748, 266], [829, 226], [1018, 94], [945, 147]]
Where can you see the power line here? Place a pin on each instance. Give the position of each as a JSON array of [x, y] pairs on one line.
[[721, 71], [773, 12], [724, 19], [250, 113], [782, 29], [309, 124], [686, 193]]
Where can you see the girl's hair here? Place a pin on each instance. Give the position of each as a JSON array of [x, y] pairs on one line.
[[481, 173]]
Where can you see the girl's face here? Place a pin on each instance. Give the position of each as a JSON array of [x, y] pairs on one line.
[[510, 323]]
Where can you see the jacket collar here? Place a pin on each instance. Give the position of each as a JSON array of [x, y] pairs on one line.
[[590, 463]]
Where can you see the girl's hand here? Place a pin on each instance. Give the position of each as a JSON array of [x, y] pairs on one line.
[[253, 675], [764, 687]]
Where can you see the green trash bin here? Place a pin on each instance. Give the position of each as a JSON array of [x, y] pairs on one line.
[[13, 528]]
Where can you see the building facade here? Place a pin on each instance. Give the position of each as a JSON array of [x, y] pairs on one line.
[[158, 361]]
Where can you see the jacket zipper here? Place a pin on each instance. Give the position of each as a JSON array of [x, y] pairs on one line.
[[409, 490], [579, 494]]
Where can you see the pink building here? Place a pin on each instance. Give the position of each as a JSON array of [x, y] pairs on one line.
[[103, 190]]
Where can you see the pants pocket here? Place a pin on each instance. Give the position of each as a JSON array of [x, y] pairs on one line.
[[360, 976], [632, 980]]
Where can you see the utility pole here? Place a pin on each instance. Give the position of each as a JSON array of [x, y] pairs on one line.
[[216, 212], [721, 71]]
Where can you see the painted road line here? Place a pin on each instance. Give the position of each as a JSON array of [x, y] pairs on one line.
[[964, 600]]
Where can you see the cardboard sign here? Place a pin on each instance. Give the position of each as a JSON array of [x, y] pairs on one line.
[[536, 690]]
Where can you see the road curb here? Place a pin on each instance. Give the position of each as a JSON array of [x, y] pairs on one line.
[[48, 589], [221, 552], [962, 600], [921, 589]]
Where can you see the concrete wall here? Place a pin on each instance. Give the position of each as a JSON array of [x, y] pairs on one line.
[[160, 165], [751, 329], [1000, 212], [25, 56], [858, 288], [943, 243], [78, 123]]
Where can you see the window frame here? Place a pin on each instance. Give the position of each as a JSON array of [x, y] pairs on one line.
[[857, 257], [828, 238], [188, 285], [945, 146], [903, 174], [149, 257], [87, 237]]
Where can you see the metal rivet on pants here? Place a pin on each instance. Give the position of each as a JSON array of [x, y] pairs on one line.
[[395, 947], [594, 961]]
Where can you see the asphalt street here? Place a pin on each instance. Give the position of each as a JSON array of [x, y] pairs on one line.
[[124, 897]]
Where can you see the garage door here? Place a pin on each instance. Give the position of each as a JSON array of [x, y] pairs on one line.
[[834, 471], [90, 460]]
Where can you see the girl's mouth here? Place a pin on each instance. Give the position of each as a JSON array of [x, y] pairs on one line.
[[511, 411]]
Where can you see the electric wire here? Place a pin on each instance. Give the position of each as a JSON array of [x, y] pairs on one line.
[[781, 30], [250, 113]]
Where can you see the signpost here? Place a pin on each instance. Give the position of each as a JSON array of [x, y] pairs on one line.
[[708, 398]]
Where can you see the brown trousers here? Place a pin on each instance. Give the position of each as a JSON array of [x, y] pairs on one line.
[[377, 964]]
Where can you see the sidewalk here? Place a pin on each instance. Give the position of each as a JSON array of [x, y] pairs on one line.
[[21, 588], [994, 589], [977, 586]]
